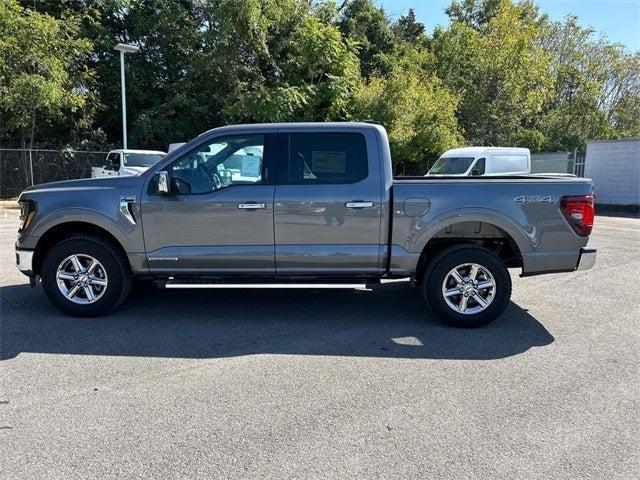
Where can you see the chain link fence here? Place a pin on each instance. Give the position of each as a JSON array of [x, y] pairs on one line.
[[21, 168]]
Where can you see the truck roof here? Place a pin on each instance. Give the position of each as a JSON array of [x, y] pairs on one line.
[[298, 125], [477, 151]]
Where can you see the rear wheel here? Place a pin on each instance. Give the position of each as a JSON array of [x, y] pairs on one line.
[[86, 276], [467, 286]]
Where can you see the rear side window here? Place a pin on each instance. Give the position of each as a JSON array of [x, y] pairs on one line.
[[322, 158], [509, 163]]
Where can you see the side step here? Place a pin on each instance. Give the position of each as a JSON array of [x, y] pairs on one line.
[[265, 283]]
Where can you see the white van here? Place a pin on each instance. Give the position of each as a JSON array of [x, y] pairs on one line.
[[483, 161]]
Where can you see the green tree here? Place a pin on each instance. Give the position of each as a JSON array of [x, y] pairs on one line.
[[367, 25], [409, 29], [501, 73], [597, 87], [473, 13], [42, 71], [417, 110], [317, 74]]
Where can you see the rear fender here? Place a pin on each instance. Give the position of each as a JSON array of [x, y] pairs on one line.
[[424, 229]]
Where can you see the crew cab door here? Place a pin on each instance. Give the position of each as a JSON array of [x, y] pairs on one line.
[[218, 217], [327, 217]]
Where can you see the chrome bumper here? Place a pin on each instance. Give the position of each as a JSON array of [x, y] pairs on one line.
[[24, 261], [587, 258]]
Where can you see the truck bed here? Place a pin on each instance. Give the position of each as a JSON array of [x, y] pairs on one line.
[[522, 209], [502, 178]]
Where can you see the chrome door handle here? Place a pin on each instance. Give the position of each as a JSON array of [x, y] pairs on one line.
[[358, 204], [251, 206]]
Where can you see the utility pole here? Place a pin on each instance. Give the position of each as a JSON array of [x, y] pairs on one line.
[[123, 48]]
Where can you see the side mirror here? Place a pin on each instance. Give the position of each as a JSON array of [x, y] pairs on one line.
[[162, 183]]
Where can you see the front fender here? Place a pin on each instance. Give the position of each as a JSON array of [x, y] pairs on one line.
[[128, 236]]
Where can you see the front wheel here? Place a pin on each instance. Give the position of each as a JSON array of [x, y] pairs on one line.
[[467, 286], [86, 276]]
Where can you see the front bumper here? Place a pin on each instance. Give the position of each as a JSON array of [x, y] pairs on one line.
[[587, 258], [24, 261]]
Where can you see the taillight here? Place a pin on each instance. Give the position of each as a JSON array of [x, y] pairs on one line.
[[579, 212]]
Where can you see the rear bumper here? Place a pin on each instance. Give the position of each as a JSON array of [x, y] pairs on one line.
[[587, 258], [24, 261], [558, 262]]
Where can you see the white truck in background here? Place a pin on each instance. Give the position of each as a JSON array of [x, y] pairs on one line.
[[122, 162], [482, 162]]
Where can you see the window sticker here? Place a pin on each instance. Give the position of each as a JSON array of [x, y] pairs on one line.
[[323, 161], [250, 166]]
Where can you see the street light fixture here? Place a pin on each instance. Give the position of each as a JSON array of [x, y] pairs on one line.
[[124, 48]]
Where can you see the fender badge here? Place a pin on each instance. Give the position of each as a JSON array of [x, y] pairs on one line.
[[524, 199]]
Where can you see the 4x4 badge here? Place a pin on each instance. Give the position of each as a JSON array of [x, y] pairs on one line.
[[534, 199]]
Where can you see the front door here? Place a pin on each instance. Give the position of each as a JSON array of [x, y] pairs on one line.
[[328, 203], [218, 218]]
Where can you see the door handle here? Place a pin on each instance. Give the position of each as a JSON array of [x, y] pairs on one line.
[[251, 206], [358, 204]]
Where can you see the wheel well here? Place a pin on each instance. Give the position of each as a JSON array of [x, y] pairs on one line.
[[61, 232], [471, 233]]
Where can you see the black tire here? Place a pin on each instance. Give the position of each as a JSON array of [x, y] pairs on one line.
[[115, 265], [438, 270]]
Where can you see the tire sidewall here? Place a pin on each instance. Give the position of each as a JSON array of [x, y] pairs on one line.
[[57, 254], [445, 263]]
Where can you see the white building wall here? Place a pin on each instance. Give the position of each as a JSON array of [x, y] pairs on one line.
[[614, 167]]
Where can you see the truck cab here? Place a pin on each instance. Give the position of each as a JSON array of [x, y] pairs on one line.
[[121, 162], [482, 162]]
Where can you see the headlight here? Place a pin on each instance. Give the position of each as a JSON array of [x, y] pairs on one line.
[[27, 212]]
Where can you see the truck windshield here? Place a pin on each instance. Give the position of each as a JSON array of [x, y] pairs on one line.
[[451, 165], [142, 159]]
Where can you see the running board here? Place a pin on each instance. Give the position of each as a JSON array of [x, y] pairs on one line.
[[351, 286]]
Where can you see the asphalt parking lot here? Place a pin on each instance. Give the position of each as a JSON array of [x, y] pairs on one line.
[[327, 384]]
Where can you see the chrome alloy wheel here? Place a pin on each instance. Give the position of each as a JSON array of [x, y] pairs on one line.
[[81, 279], [469, 288]]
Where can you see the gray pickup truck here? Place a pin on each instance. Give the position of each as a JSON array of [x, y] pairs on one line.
[[302, 204]]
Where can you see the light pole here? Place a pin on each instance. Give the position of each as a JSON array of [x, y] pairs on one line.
[[124, 48]]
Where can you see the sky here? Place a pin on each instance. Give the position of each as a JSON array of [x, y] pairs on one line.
[[618, 20]]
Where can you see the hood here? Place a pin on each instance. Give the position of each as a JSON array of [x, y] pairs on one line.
[[127, 170], [84, 185]]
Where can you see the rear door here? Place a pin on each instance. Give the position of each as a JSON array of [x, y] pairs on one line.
[[327, 209]]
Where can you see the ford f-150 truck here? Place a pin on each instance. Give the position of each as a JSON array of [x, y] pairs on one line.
[[301, 204]]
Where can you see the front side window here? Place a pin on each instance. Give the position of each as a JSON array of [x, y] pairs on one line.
[[451, 166], [324, 158], [478, 168], [113, 160], [227, 161]]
